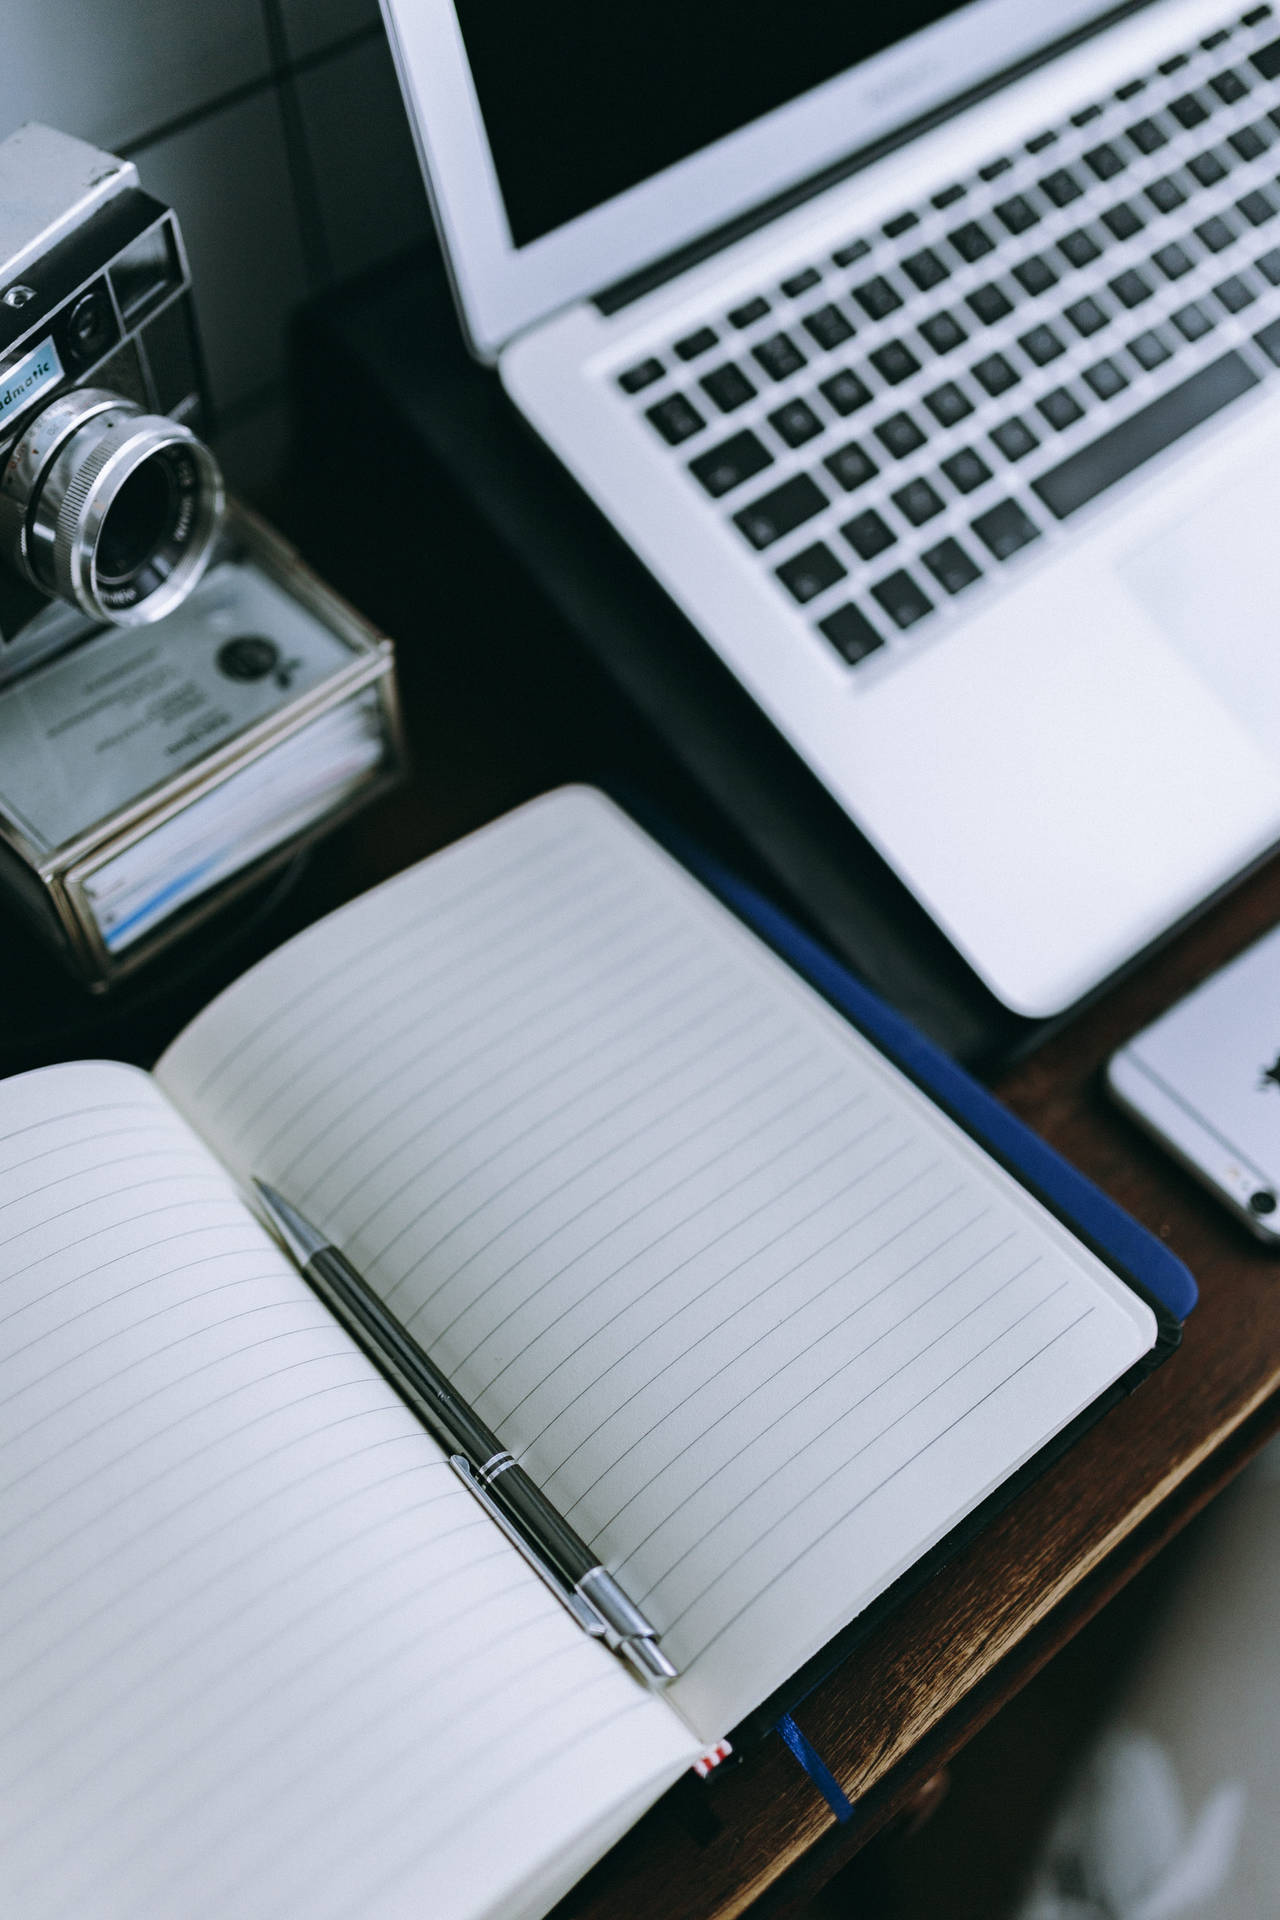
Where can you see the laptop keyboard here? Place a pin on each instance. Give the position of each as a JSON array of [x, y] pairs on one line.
[[890, 425]]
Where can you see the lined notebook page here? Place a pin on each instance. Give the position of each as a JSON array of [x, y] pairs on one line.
[[260, 1654], [759, 1318]]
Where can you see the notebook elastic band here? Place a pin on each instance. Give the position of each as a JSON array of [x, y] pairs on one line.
[[820, 1774]]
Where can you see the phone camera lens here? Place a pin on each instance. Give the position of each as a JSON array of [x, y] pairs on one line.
[[1263, 1201]]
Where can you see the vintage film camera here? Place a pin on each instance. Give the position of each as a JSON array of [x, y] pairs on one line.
[[182, 701], [109, 503]]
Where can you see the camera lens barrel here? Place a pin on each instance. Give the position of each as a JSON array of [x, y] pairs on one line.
[[110, 508]]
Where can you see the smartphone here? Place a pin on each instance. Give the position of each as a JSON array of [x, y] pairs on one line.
[[1204, 1079]]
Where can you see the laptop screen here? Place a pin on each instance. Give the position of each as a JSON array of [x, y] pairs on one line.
[[572, 143], [581, 100]]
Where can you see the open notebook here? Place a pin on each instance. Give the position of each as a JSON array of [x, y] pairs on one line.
[[763, 1322]]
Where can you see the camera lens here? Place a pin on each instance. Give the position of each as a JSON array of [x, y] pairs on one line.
[[137, 521], [110, 508], [1263, 1201]]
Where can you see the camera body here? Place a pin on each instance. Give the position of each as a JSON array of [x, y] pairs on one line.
[[109, 502]]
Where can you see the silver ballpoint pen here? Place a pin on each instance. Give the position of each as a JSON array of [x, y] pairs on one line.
[[500, 1484]]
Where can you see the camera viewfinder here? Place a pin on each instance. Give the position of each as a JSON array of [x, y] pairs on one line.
[[146, 270]]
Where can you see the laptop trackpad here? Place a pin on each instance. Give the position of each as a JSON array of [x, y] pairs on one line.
[[1211, 580]]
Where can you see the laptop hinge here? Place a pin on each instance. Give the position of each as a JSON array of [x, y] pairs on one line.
[[621, 294]]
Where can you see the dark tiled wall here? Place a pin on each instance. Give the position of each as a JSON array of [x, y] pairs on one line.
[[276, 129]]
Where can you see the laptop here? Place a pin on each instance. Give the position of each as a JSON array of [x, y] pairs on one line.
[[929, 357]]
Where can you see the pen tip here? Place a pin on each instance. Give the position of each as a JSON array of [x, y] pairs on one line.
[[298, 1234]]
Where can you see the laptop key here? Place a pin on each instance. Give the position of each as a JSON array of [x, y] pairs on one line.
[[900, 435], [1235, 293], [728, 386], [989, 303], [877, 297], [1130, 289], [947, 196], [926, 269], [1035, 275], [943, 332], [1079, 249], [1165, 195], [1150, 349], [1267, 60], [1229, 86], [779, 356], [902, 599], [951, 566], [749, 312], [948, 404], [1061, 186], [1147, 135], [1087, 316], [971, 241], [918, 502], [828, 326], [1251, 142], [1215, 233], [695, 343], [1042, 345], [1005, 530], [810, 573], [1060, 408], [895, 362], [1193, 321], [1042, 140], [1269, 265], [1119, 452], [966, 470], [722, 468], [1208, 168], [850, 633], [1173, 260], [900, 224], [1106, 379], [795, 423], [1189, 110], [868, 535], [1257, 207], [845, 392], [1104, 161], [675, 418], [800, 282], [851, 466], [1016, 214], [643, 374], [1123, 220], [1015, 439], [1268, 338], [779, 512], [995, 375], [855, 250]]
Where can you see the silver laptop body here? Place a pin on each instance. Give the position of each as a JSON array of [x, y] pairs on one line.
[[966, 460]]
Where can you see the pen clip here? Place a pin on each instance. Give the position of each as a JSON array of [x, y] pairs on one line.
[[583, 1612]]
